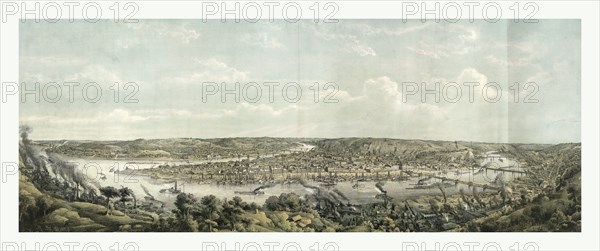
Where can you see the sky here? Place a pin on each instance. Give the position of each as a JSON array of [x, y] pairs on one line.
[[363, 69]]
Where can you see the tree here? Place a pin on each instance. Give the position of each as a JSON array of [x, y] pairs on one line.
[[25, 205], [231, 212], [238, 202], [272, 203], [186, 204], [290, 201], [43, 204], [127, 195], [210, 211], [90, 196], [109, 192]]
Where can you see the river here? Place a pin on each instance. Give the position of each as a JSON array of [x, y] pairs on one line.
[[364, 192]]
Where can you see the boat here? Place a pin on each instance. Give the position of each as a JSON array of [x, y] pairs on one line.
[[432, 185], [249, 192], [172, 190], [327, 184], [424, 180], [401, 178], [357, 185]]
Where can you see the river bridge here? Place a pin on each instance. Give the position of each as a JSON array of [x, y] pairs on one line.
[[505, 170]]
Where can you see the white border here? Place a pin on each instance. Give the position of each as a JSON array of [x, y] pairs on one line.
[[586, 240]]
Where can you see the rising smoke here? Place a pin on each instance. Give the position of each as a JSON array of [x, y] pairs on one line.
[[62, 169]]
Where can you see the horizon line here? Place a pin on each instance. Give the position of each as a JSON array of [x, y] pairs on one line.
[[321, 138]]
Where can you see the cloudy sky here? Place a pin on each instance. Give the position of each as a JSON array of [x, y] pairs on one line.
[[367, 63]]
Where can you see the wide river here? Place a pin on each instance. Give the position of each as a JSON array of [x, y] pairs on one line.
[[365, 192]]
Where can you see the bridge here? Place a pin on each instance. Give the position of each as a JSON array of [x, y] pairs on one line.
[[505, 170]]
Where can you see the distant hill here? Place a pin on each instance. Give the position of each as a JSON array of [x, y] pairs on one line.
[[194, 149], [182, 148], [414, 147]]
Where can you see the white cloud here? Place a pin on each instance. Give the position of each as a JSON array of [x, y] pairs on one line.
[[52, 61], [210, 70], [472, 75], [61, 70], [181, 33], [96, 73], [372, 30], [262, 40], [348, 43], [428, 50], [184, 34], [126, 43], [262, 109], [486, 91], [516, 54], [47, 69], [381, 88], [118, 115], [361, 49], [457, 40]]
